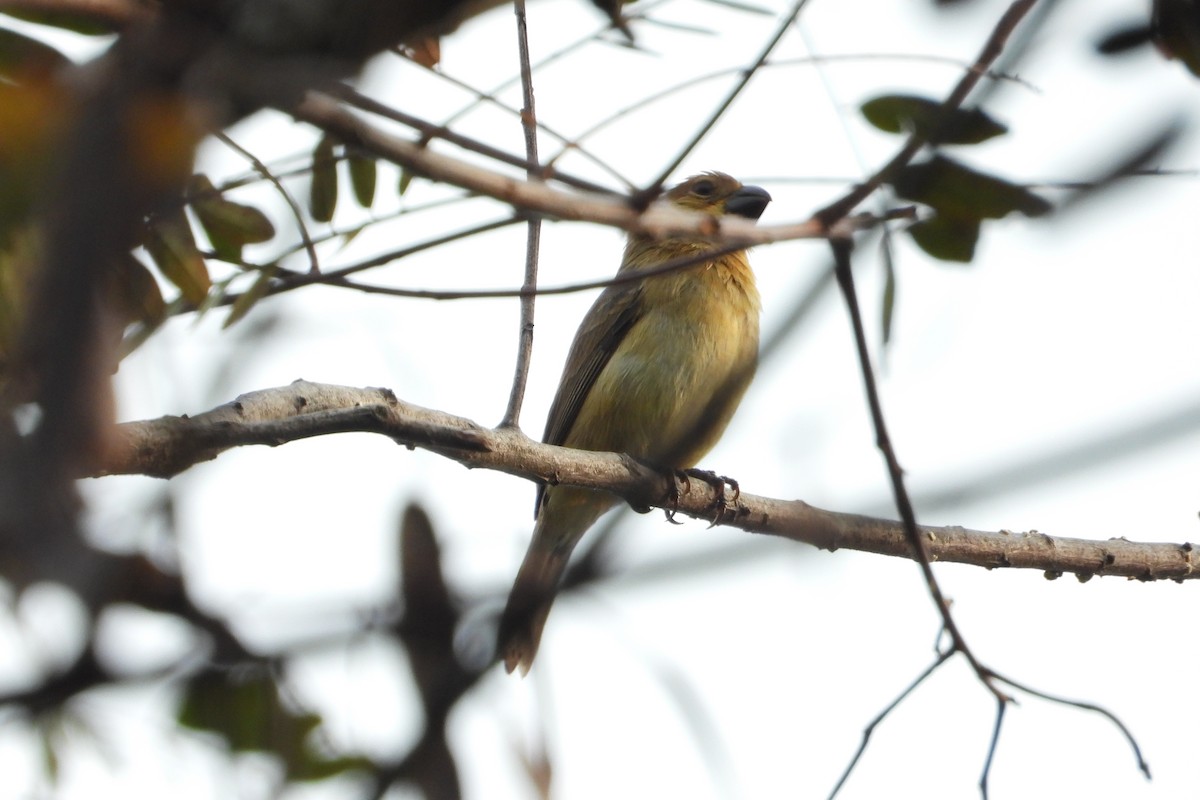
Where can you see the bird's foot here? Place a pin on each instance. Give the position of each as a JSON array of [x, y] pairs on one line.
[[718, 483]]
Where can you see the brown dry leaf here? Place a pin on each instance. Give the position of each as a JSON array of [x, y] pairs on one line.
[[427, 52]]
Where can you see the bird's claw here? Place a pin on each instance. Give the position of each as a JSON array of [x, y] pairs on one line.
[[672, 505], [724, 500], [717, 482]]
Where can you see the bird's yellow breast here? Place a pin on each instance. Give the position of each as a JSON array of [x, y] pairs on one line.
[[670, 389]]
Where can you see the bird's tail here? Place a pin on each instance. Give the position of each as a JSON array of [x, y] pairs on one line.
[[564, 516], [529, 605]]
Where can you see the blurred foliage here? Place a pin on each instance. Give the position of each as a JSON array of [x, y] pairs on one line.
[[243, 707], [22, 57], [902, 113], [364, 172], [87, 24], [229, 226], [171, 245], [1176, 29], [250, 297], [1173, 28], [33, 118], [17, 261], [323, 191], [959, 197], [952, 187]]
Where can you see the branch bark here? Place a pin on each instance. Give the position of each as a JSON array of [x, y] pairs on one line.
[[169, 445], [659, 220]]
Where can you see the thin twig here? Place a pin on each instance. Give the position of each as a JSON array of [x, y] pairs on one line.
[[1143, 766], [816, 60], [314, 265], [430, 131], [1001, 707], [569, 49], [654, 188], [512, 415], [845, 277], [841, 250], [337, 278], [882, 715]]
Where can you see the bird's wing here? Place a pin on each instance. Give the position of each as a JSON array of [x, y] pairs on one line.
[[615, 311]]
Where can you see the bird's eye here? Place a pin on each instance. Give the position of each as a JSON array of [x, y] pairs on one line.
[[704, 188]]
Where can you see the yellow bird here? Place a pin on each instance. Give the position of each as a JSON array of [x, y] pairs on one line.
[[656, 371]]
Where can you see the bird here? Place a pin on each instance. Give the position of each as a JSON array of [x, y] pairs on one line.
[[656, 371]]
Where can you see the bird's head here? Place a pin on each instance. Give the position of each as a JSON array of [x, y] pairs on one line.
[[718, 194]]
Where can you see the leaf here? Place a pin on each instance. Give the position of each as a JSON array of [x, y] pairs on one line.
[[243, 708], [422, 585], [323, 194], [958, 190], [888, 305], [430, 615], [21, 55], [137, 293], [363, 173], [426, 51], [247, 299], [229, 226], [171, 245], [406, 177], [947, 238], [903, 113]]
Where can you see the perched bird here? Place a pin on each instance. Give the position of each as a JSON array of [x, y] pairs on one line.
[[656, 371]]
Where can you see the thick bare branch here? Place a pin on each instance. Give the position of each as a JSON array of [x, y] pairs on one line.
[[169, 445], [658, 220]]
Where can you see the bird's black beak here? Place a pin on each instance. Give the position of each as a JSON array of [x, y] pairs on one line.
[[748, 202]]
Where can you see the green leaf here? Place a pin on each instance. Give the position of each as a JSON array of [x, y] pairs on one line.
[[137, 292], [243, 708], [323, 194], [888, 306], [903, 113], [958, 190], [363, 173], [247, 299], [21, 56], [229, 225], [946, 237], [173, 249], [406, 177]]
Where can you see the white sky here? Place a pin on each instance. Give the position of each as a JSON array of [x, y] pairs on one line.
[[1060, 331]]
